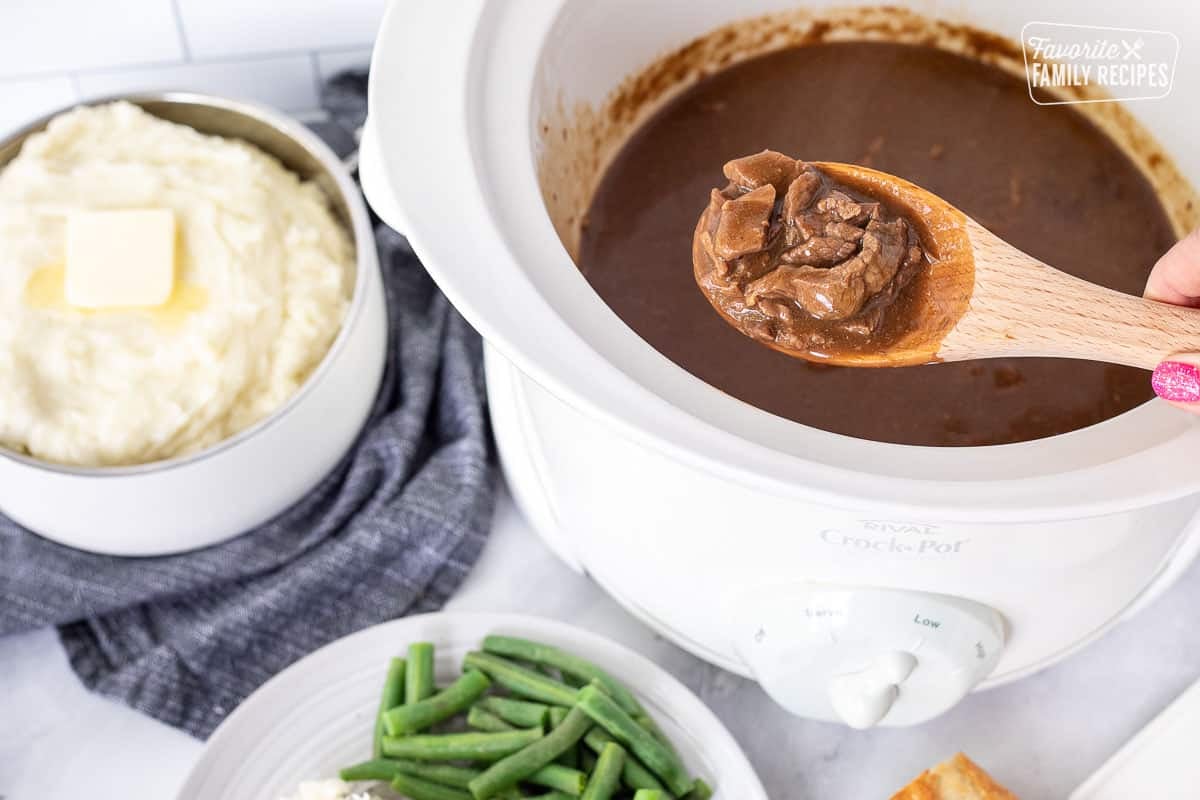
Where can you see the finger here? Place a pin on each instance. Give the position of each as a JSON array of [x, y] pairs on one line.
[[1175, 278], [1177, 381]]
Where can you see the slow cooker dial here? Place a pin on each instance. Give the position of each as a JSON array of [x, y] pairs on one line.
[[864, 656]]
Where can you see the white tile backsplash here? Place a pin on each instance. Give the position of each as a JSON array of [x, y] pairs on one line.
[[54, 52], [330, 64], [46, 36], [25, 100], [286, 82], [233, 27]]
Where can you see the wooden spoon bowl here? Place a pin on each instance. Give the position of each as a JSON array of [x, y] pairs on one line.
[[980, 297]]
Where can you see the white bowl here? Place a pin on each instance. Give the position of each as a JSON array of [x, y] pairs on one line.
[[317, 716], [204, 498]]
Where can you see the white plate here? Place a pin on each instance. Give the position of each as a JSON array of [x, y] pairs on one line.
[[1158, 762], [317, 715]]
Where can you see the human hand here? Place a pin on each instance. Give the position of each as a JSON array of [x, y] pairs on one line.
[[1175, 279]]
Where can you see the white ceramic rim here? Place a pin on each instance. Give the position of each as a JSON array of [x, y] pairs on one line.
[[360, 223], [278, 708], [461, 143]]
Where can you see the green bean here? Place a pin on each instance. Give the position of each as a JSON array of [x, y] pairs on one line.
[[575, 682], [587, 761], [570, 782], [521, 713], [560, 778], [481, 719], [550, 796], [634, 774], [604, 780], [656, 756], [565, 662], [647, 722], [445, 774], [557, 715], [418, 716], [521, 680], [464, 746], [419, 680], [640, 716], [701, 791], [649, 794], [383, 769], [392, 696], [418, 789], [515, 768], [377, 769], [571, 757]]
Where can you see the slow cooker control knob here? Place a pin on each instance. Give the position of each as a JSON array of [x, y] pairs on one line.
[[863, 698], [861, 655]]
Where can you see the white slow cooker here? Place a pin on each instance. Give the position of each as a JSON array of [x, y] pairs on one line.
[[867, 582]]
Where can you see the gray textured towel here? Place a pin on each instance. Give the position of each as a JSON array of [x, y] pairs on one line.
[[391, 531]]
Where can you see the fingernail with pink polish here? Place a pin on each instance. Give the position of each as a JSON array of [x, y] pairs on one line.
[[1177, 381]]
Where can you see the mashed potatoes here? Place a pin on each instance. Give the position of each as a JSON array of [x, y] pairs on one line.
[[263, 279]]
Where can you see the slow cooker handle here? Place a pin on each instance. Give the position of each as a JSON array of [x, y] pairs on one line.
[[372, 176]]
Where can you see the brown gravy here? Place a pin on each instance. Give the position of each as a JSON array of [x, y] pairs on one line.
[[1042, 177]]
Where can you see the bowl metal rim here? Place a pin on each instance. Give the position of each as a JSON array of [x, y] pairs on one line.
[[364, 261]]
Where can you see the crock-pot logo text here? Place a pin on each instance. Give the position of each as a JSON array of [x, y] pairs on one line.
[[886, 537], [1091, 64]]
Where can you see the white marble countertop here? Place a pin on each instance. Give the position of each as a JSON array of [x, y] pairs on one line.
[[1041, 736]]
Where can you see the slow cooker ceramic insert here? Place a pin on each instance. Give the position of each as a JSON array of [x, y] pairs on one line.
[[855, 580]]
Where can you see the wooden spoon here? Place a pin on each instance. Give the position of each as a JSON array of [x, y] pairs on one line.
[[983, 298]]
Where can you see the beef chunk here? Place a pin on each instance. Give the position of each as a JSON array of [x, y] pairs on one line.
[[844, 231], [840, 292], [720, 265], [841, 207], [716, 199], [744, 223], [760, 169], [807, 225], [753, 265], [820, 251], [800, 194]]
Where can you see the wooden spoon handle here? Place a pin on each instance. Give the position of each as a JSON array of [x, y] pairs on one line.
[[1022, 307]]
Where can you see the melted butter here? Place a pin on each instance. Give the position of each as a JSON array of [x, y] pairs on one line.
[[46, 291]]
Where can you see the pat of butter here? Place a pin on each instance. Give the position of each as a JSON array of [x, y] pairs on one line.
[[120, 259]]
